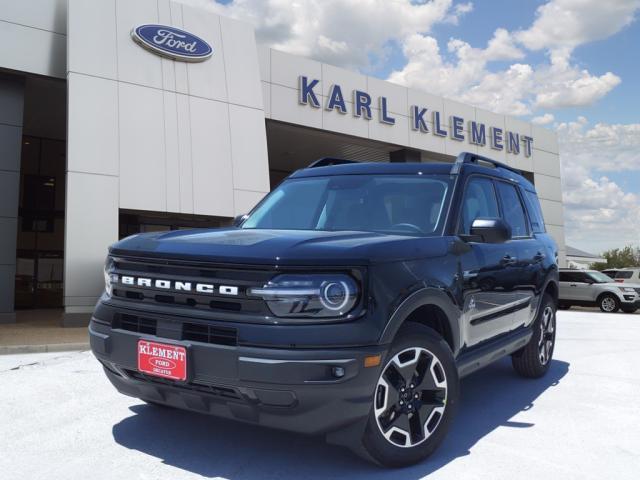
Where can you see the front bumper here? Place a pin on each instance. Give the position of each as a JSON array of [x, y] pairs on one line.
[[298, 390], [632, 302]]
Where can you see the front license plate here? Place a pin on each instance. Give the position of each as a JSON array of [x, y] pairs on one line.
[[160, 360]]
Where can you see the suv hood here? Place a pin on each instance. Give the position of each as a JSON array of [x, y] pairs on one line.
[[621, 285], [281, 247]]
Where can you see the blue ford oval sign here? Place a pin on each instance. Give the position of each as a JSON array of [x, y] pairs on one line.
[[172, 42]]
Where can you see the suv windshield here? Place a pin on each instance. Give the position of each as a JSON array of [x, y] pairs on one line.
[[397, 204], [599, 277]]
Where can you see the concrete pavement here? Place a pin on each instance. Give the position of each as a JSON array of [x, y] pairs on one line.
[[61, 419]]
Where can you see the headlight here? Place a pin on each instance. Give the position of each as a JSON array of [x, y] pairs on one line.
[[627, 289], [109, 277], [309, 296]]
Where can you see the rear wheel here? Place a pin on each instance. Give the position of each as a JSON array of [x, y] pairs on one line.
[[414, 400], [533, 360], [608, 303]]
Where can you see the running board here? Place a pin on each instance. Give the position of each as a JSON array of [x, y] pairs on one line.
[[478, 358]]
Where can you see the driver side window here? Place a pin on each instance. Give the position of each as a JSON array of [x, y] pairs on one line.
[[479, 201]]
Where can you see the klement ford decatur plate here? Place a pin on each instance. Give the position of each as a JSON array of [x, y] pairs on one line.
[[160, 360]]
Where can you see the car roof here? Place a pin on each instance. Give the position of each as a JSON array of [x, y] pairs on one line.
[[409, 168]]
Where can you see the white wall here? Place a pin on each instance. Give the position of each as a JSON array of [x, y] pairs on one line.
[[279, 74], [149, 133], [33, 36]]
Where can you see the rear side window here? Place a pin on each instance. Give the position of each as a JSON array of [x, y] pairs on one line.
[[572, 277], [512, 210], [479, 201], [624, 274], [535, 212]]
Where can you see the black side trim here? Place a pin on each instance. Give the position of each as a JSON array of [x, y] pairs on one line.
[[493, 350], [500, 313]]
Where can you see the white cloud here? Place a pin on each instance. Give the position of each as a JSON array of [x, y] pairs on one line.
[[467, 78], [599, 213], [522, 88], [603, 147], [545, 119], [562, 24], [346, 33], [565, 86]]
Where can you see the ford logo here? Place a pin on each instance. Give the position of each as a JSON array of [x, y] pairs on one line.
[[162, 363], [172, 43]]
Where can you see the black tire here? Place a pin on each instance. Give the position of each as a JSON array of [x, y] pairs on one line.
[[533, 360], [422, 356], [608, 303], [629, 309], [564, 306]]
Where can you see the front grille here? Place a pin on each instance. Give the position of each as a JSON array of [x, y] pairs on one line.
[[199, 332], [191, 331], [212, 389], [241, 278], [133, 323]]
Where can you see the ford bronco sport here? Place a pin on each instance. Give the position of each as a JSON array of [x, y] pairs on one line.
[[348, 303]]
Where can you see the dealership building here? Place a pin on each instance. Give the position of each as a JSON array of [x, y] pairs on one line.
[[126, 116]]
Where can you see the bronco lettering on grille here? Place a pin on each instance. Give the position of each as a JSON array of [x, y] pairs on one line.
[[177, 286]]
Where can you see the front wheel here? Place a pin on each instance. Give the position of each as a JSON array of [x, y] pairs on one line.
[[414, 400], [533, 360], [609, 303]]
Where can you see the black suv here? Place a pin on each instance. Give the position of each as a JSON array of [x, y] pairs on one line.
[[348, 303]]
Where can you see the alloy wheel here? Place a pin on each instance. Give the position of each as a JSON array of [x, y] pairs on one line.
[[547, 335], [410, 397], [608, 304]]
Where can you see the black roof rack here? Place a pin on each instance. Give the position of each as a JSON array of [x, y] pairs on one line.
[[329, 161], [466, 157]]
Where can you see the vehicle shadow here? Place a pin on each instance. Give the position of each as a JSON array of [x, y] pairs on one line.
[[214, 447]]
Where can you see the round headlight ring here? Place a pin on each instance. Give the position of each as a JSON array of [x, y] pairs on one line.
[[326, 295]]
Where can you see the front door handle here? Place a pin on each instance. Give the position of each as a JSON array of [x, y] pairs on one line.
[[508, 260]]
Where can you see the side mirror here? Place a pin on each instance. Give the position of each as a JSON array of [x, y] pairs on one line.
[[237, 221], [491, 230]]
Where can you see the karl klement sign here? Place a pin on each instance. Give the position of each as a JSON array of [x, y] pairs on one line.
[[478, 133]]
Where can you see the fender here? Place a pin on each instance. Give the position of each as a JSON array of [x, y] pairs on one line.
[[419, 298]]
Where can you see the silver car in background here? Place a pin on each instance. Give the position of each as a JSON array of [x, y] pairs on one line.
[[592, 288], [628, 275]]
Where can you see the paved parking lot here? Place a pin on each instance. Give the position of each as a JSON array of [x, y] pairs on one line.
[[61, 419]]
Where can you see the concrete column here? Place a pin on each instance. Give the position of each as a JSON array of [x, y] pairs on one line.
[[404, 155], [11, 107]]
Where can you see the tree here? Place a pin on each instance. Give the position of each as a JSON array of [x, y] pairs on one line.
[[619, 258]]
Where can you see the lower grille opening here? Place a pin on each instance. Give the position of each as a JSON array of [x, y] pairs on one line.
[[165, 299], [133, 323], [199, 332], [216, 390], [232, 306]]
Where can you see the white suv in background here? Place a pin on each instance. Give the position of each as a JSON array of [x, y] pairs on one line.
[[628, 275], [591, 288]]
